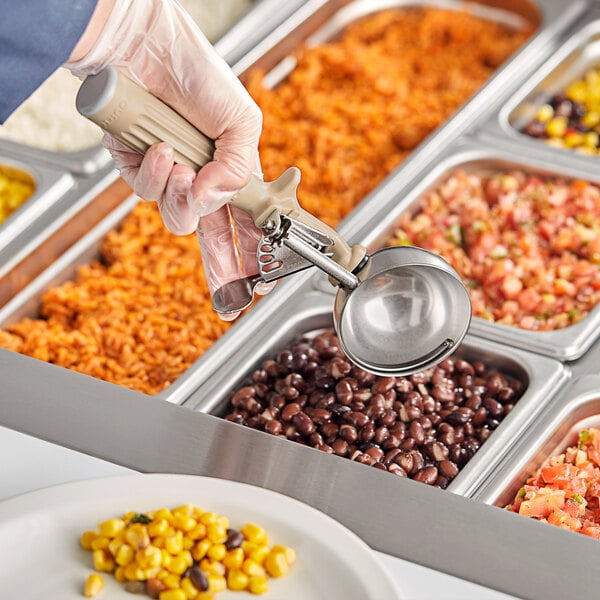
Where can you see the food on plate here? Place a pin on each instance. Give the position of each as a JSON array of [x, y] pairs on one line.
[[425, 426], [527, 246], [571, 118], [565, 490], [93, 585], [16, 186], [352, 109], [139, 316], [185, 553]]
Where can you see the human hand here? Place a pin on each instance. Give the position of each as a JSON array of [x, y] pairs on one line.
[[156, 44]]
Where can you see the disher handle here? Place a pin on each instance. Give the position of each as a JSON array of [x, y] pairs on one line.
[[138, 119], [134, 116]]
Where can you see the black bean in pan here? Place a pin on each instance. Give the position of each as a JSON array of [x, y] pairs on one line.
[[425, 426]]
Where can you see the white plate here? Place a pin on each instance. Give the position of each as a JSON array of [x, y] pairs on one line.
[[41, 558]]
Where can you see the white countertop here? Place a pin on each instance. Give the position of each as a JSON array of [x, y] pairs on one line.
[[28, 463]]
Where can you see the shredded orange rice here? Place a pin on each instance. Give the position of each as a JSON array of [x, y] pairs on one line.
[[138, 318], [353, 109]]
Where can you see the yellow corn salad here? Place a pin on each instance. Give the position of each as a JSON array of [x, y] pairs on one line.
[[184, 553], [16, 186]]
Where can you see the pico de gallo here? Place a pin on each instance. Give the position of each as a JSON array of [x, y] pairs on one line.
[[565, 491], [527, 246]]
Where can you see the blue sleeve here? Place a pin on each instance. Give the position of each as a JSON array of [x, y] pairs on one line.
[[36, 37]]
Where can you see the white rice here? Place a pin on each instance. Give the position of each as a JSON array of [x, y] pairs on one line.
[[49, 120]]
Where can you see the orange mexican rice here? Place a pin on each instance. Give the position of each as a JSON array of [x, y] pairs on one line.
[[139, 317], [353, 109]]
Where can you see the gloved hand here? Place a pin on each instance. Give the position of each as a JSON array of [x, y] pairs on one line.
[[158, 45]]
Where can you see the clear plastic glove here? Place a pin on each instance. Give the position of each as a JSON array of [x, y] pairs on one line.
[[158, 45]]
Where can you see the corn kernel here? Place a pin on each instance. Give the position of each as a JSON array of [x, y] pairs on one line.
[[200, 549], [258, 585], [86, 539], [254, 533], [115, 544], [163, 513], [248, 546], [198, 532], [209, 517], [137, 536], [111, 528], [120, 574], [191, 591], [133, 573], [178, 564], [216, 533], [290, 553], [251, 567], [544, 113], [234, 559], [158, 527], [217, 552], [237, 580], [557, 127], [212, 566], [103, 561], [185, 510], [173, 594], [125, 555], [174, 543], [172, 581], [99, 543], [577, 91], [184, 522], [259, 554], [93, 585], [216, 583], [276, 564], [591, 118], [149, 557], [591, 139], [574, 139]]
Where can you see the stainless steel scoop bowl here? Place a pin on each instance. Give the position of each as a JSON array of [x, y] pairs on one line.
[[409, 311], [396, 312]]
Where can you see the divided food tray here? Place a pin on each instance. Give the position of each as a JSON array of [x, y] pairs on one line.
[[309, 312]]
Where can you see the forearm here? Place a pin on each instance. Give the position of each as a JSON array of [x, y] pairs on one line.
[[93, 30]]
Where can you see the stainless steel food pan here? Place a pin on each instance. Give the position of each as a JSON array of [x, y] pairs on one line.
[[575, 408], [569, 343], [310, 311], [81, 162], [579, 53], [51, 185], [320, 21], [82, 237]]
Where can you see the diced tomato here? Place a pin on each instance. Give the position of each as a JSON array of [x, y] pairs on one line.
[[558, 475], [542, 505], [592, 531], [529, 299], [511, 286]]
